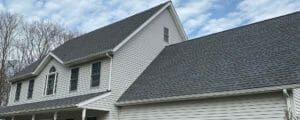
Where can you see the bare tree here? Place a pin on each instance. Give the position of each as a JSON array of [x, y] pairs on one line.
[[8, 27], [25, 42], [38, 39]]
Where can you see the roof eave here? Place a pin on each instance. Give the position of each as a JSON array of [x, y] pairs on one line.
[[88, 58], [208, 95], [40, 110], [21, 77]]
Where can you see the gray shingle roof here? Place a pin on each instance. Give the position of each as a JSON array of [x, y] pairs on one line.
[[51, 104], [101, 40], [30, 68], [259, 55]]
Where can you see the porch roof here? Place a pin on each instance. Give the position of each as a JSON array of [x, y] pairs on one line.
[[48, 105]]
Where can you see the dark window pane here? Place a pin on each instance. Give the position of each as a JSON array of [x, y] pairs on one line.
[[96, 68], [52, 69], [18, 91], [30, 89], [74, 79], [166, 34], [50, 84]]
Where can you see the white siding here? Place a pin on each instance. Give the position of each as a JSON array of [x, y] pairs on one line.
[[133, 58], [252, 107], [63, 83], [296, 98]]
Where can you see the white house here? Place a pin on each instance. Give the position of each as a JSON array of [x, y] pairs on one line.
[[144, 68]]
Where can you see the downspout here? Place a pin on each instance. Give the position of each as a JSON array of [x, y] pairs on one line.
[[110, 70], [288, 99]]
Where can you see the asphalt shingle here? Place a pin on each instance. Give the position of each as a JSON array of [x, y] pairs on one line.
[[51, 104], [100, 40], [258, 55]]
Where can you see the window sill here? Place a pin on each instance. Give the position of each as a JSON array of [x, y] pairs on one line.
[[49, 95]]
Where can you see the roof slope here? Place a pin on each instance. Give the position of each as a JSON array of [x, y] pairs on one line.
[[259, 55], [51, 104], [105, 38], [100, 40]]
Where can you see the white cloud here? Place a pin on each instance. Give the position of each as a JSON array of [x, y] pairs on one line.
[[1, 7], [220, 24], [265, 9], [197, 16], [193, 14], [249, 11]]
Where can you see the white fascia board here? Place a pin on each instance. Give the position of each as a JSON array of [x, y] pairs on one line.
[[178, 23], [56, 58], [83, 103], [209, 95], [39, 67], [141, 27], [45, 61], [94, 108]]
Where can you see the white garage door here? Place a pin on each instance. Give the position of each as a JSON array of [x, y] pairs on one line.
[[254, 107]]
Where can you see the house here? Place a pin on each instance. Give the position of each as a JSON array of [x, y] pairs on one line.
[[144, 68]]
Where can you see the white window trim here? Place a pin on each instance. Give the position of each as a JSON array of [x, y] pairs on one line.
[[46, 84]]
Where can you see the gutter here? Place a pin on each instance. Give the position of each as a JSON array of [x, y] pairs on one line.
[[88, 58], [39, 110], [208, 95], [24, 76]]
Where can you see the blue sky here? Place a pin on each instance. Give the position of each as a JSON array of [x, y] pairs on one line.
[[199, 17]]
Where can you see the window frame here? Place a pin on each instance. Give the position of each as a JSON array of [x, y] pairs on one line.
[[55, 73], [166, 34], [18, 91], [72, 79], [98, 73], [30, 89]]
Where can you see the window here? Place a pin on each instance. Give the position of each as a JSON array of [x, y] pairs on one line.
[[166, 34], [95, 74], [74, 79], [18, 91], [30, 89], [51, 81]]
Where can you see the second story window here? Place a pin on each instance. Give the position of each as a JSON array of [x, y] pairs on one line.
[[74, 79], [30, 89], [96, 68], [51, 81], [18, 91], [166, 34]]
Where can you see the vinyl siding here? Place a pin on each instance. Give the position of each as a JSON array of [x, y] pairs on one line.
[[251, 107], [63, 83], [296, 98], [133, 58]]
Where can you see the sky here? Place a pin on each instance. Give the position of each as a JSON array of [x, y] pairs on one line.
[[198, 17]]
